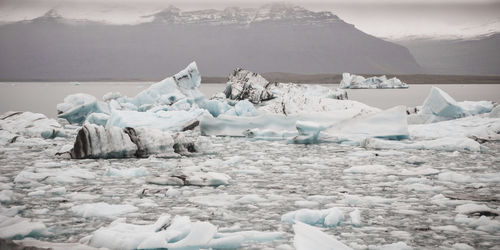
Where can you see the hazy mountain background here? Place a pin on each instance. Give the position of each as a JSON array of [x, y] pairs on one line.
[[272, 38]]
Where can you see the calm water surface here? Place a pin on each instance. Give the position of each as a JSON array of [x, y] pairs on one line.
[[42, 97]]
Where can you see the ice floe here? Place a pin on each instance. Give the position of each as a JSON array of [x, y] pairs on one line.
[[29, 125], [351, 81], [18, 227]]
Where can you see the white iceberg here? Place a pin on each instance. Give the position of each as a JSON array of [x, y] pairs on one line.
[[29, 125], [351, 81], [439, 106]]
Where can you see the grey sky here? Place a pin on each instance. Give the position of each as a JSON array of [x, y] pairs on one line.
[[384, 18]]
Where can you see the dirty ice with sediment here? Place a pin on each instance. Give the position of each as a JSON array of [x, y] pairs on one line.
[[258, 165]]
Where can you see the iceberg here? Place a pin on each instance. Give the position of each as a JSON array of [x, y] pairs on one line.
[[351, 81], [29, 125], [77, 107], [246, 85], [439, 106], [327, 217], [95, 141]]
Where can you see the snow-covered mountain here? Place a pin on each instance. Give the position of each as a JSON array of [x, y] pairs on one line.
[[272, 38]]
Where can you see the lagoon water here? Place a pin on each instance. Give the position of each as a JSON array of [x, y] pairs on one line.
[[42, 97]]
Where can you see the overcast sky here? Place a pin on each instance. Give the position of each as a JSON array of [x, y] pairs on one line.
[[383, 18]]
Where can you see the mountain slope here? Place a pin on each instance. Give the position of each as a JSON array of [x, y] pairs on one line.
[[273, 38], [460, 57]]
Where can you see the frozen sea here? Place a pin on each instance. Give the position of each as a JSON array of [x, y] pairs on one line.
[[419, 197]]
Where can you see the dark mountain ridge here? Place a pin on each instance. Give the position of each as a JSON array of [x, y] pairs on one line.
[[273, 38]]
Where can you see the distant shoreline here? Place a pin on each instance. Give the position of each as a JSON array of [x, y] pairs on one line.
[[308, 79]]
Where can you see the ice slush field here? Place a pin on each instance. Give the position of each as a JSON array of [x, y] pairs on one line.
[[223, 173], [408, 196]]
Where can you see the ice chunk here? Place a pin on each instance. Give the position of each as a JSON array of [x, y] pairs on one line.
[[394, 246], [387, 124], [102, 209], [495, 113], [95, 141], [161, 120], [17, 228], [68, 175], [327, 217], [29, 125], [477, 107], [472, 208], [449, 144], [483, 223], [111, 96], [355, 200], [368, 169], [200, 235], [98, 119], [6, 196], [309, 237], [355, 217], [482, 127], [192, 178], [127, 172], [441, 104], [77, 107], [351, 81]]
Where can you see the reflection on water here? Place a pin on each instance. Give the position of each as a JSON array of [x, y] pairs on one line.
[[42, 97]]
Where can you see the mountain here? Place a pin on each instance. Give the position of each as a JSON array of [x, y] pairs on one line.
[[479, 56], [272, 38]]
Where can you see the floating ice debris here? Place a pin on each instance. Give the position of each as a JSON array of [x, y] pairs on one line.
[[368, 169], [176, 233], [351, 81], [11, 211], [483, 223], [102, 209], [95, 141], [191, 178], [449, 144], [309, 237], [18, 228], [355, 217], [439, 106], [29, 125], [393, 246], [77, 107]]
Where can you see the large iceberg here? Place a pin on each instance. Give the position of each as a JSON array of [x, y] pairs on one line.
[[95, 141], [351, 81], [439, 106]]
